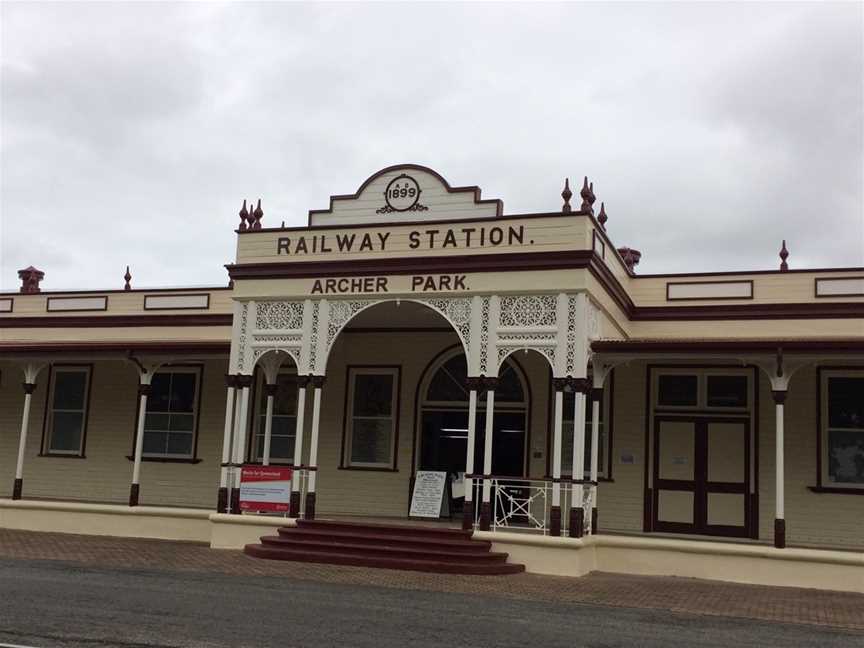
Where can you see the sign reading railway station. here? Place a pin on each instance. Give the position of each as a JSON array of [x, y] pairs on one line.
[[265, 488]]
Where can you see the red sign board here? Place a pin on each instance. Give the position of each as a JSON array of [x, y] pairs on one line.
[[265, 488]]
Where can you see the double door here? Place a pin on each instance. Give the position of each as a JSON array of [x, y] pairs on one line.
[[702, 476]]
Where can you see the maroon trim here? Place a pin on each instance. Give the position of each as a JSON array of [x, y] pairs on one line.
[[134, 494], [708, 346], [11, 301], [309, 513], [835, 490], [820, 488], [780, 534], [555, 520], [702, 283], [595, 237], [100, 321], [115, 347], [414, 264], [816, 287], [99, 293], [344, 462], [45, 442], [17, 489], [222, 500], [731, 273], [74, 310], [826, 310], [172, 308], [199, 395], [577, 522]]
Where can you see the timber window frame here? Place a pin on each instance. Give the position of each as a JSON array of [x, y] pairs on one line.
[[81, 411], [193, 410], [350, 442], [825, 472]]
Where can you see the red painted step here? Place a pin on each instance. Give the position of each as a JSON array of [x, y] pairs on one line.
[[360, 560], [379, 539], [392, 546], [394, 550]]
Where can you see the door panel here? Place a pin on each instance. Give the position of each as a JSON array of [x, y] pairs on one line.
[[675, 506], [726, 509], [702, 476], [677, 450], [726, 452]]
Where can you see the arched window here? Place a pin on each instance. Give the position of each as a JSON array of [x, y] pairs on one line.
[[447, 384]]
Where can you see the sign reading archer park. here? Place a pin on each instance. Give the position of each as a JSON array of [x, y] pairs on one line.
[[265, 488]]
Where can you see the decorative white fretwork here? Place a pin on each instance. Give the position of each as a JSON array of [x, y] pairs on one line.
[[572, 332], [279, 315], [527, 311], [242, 338], [484, 337]]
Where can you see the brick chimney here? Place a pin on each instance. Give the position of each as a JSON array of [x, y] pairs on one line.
[[631, 257], [30, 278]]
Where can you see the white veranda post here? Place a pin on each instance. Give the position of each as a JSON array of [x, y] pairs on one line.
[[780, 514], [596, 398], [577, 469], [297, 461], [485, 506], [222, 501], [468, 512], [146, 377], [555, 512], [317, 384], [244, 384], [30, 373]]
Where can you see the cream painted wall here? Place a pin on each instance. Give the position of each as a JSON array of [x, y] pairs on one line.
[[104, 476]]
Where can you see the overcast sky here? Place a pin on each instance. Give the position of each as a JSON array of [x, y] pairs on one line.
[[131, 132]]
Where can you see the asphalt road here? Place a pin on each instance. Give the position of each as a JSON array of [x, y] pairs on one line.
[[48, 604]]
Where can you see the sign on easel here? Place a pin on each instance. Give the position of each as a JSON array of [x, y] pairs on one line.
[[428, 494], [265, 488]]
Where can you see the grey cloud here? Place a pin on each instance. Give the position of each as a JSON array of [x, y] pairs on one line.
[[131, 132]]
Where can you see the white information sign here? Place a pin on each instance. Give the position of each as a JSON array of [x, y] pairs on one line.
[[428, 494]]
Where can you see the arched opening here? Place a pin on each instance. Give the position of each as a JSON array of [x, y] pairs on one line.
[[279, 368], [443, 418]]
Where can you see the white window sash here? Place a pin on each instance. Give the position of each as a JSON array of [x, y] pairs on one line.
[[52, 411], [825, 429], [197, 372], [394, 404]]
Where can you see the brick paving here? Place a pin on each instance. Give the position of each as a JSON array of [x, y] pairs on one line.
[[684, 595]]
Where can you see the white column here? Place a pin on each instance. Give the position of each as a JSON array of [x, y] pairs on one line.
[[18, 487], [143, 392], [268, 423], [222, 502], [244, 383], [294, 510], [577, 517], [485, 510], [595, 453], [317, 383], [468, 513], [555, 513], [779, 485]]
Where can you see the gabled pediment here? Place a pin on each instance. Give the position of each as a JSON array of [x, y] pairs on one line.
[[406, 193]]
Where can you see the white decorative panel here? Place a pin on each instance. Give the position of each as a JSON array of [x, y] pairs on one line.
[[6, 305], [77, 303], [169, 302], [709, 290], [845, 287]]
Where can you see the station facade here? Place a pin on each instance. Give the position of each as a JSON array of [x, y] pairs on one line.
[[413, 325]]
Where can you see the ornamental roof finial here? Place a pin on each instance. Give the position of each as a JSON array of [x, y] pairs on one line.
[[784, 254], [257, 214], [128, 278], [566, 195], [602, 217], [587, 197], [243, 216]]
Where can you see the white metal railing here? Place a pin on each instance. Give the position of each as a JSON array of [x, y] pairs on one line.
[[524, 504]]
